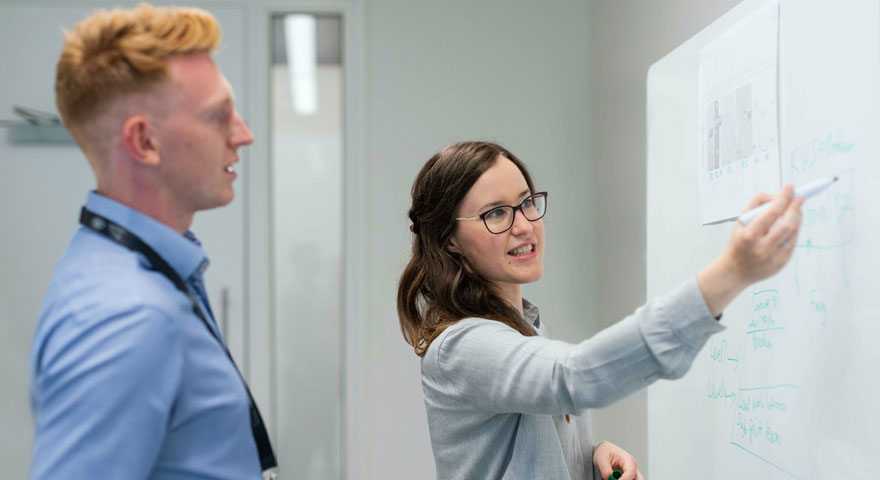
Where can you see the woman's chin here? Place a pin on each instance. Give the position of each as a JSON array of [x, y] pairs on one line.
[[531, 277]]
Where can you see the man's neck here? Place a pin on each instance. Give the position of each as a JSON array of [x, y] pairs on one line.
[[152, 205]]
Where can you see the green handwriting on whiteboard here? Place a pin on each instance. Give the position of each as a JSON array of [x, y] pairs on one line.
[[763, 426], [819, 150]]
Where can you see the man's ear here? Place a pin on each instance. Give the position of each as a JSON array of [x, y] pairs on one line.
[[140, 141]]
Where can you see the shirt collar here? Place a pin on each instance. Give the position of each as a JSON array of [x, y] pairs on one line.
[[182, 252], [531, 314]]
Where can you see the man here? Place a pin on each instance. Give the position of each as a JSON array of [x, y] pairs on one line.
[[130, 378]]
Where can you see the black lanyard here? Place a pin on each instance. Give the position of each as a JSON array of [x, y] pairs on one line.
[[120, 235]]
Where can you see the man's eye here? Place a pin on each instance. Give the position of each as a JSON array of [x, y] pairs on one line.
[[221, 116]]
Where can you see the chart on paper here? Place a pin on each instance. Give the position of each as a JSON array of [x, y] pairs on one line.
[[738, 115]]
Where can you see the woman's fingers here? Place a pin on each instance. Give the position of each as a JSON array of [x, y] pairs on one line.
[[787, 226], [764, 221], [630, 472], [759, 199], [602, 460], [609, 457], [626, 463], [760, 249]]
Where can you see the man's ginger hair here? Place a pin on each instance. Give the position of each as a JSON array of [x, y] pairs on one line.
[[120, 52]]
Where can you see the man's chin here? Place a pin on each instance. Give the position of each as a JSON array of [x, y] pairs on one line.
[[217, 202]]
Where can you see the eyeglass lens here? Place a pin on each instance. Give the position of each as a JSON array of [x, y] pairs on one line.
[[500, 219]]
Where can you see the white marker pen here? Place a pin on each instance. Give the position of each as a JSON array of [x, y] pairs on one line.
[[805, 191]]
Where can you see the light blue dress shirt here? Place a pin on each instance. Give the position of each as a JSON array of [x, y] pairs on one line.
[[126, 381]]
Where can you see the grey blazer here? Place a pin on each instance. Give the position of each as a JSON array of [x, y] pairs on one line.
[[495, 399]]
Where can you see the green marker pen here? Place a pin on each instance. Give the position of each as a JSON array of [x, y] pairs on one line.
[[615, 475]]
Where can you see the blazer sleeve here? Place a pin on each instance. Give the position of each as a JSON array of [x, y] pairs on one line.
[[489, 366]]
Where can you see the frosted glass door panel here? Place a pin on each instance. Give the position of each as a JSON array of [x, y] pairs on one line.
[[307, 237]]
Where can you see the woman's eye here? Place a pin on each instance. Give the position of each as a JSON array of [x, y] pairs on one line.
[[497, 213], [527, 203]]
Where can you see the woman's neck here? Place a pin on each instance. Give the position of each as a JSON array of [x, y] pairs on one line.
[[512, 294]]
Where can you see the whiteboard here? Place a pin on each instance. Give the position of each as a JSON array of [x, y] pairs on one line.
[[789, 390]]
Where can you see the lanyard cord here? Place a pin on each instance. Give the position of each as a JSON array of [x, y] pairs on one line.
[[120, 235]]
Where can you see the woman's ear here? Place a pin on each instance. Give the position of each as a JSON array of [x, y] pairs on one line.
[[452, 247]]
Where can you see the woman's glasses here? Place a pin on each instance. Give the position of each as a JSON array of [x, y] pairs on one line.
[[500, 219]]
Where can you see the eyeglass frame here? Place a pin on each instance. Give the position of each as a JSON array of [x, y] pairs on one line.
[[519, 207]]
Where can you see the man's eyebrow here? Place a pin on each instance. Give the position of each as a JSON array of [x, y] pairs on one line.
[[498, 203], [219, 106]]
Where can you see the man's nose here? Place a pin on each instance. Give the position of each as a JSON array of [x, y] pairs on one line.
[[241, 134]]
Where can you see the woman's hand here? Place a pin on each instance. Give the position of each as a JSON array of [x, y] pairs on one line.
[[609, 457], [755, 251]]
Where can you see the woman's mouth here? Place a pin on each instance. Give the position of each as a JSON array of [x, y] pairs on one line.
[[523, 250]]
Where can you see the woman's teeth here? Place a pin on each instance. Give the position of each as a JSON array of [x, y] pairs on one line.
[[230, 169], [521, 250]]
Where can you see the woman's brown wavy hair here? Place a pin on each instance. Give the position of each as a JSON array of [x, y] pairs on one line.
[[439, 287]]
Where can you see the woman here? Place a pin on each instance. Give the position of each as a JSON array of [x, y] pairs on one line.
[[501, 398]]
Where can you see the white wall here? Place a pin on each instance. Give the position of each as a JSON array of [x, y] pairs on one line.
[[626, 37], [41, 191], [25, 220], [438, 72], [435, 72], [562, 84]]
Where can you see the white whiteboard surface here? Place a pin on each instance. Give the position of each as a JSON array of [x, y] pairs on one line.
[[790, 389]]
